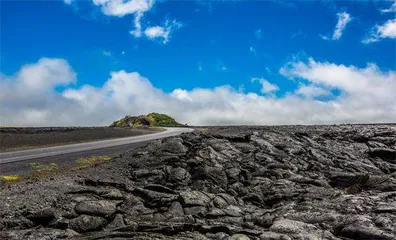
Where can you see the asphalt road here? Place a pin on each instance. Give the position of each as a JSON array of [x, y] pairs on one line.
[[42, 153]]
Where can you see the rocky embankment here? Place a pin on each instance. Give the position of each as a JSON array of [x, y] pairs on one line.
[[329, 182]]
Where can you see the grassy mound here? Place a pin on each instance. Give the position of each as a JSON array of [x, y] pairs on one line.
[[149, 120]]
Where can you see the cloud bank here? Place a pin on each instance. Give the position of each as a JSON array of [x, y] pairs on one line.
[[266, 87], [29, 98]]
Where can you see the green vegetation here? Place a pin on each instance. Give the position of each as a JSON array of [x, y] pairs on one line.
[[10, 178], [91, 160], [42, 171], [40, 167], [149, 120]]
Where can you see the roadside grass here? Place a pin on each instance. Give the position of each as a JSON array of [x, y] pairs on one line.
[[92, 160], [202, 129], [39, 167], [10, 178], [42, 171]]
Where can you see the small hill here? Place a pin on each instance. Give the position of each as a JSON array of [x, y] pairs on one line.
[[149, 120]]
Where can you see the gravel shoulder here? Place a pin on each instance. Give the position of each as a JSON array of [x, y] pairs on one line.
[[299, 182], [16, 139]]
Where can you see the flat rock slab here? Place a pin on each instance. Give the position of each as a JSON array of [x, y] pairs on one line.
[[96, 208], [112, 194], [194, 198]]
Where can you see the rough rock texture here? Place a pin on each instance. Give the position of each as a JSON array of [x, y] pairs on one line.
[[268, 183]]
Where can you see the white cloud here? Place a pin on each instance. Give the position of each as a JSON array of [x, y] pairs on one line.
[[312, 91], [36, 78], [221, 66], [387, 30], [157, 32], [324, 37], [29, 98], [258, 33], [181, 94], [294, 35], [253, 51], [391, 9], [162, 31], [343, 19], [138, 26], [266, 87], [106, 53], [120, 8], [350, 79]]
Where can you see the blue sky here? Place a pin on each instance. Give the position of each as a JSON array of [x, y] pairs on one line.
[[209, 44]]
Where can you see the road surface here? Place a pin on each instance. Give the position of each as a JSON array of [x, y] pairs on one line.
[[10, 157]]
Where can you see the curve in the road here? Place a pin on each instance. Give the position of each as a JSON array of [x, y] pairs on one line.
[[17, 156]]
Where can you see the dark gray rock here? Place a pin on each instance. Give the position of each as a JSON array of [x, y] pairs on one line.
[[112, 194], [85, 223], [239, 237], [386, 154], [175, 210], [194, 198], [274, 236], [15, 223], [155, 198], [282, 182], [177, 176], [42, 217], [195, 210], [60, 223], [96, 208], [118, 222], [40, 233]]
